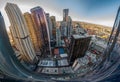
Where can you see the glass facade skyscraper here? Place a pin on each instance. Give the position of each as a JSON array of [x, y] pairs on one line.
[[41, 28], [65, 14], [53, 23], [49, 25]]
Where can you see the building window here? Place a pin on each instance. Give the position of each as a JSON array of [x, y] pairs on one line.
[[55, 70], [47, 70]]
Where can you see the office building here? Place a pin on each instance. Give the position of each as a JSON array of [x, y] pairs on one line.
[[20, 33], [65, 14], [69, 27], [58, 37], [98, 47], [114, 40], [49, 25], [78, 46], [66, 24], [31, 25], [42, 28], [87, 60], [53, 22], [63, 29]]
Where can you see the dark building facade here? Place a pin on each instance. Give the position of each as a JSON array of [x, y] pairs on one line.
[[41, 27], [78, 47]]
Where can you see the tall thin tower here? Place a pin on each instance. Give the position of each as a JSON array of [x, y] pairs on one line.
[[42, 27], [20, 32], [49, 25], [31, 27], [65, 14]]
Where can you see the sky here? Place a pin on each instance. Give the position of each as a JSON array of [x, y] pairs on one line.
[[101, 12]]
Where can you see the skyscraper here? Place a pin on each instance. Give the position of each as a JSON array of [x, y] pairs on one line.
[[31, 27], [69, 27], [11, 37], [3, 36], [41, 27], [63, 28], [114, 40], [58, 37], [49, 25], [66, 24], [53, 22], [78, 46], [20, 33], [65, 14]]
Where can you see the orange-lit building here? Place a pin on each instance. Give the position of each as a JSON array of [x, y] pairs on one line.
[[31, 27]]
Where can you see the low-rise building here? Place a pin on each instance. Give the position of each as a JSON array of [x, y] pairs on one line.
[[53, 62], [57, 70], [88, 60], [98, 47]]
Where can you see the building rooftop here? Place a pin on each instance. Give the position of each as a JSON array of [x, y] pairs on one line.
[[63, 55], [53, 62], [61, 70], [77, 36], [101, 43], [35, 8]]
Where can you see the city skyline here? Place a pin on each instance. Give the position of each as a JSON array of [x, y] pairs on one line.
[[39, 47], [78, 10]]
